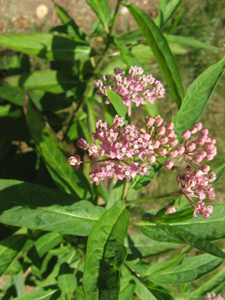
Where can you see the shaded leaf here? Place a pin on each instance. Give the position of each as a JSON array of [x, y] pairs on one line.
[[48, 46], [161, 51], [197, 97], [66, 279], [49, 81], [117, 102], [41, 247], [189, 270], [10, 248], [47, 293], [105, 254], [55, 154], [45, 209], [127, 287], [102, 10], [168, 12], [131, 36]]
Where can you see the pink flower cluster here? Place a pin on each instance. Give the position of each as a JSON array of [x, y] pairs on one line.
[[134, 88], [212, 297]]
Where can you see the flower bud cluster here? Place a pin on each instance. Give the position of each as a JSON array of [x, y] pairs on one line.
[[134, 88], [212, 297]]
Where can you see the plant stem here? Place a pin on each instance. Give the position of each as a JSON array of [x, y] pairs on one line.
[[125, 188], [152, 198], [79, 264], [109, 35], [132, 272]]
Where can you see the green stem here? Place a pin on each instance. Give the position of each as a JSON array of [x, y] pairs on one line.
[[109, 35], [152, 198], [125, 187], [132, 272], [133, 185]]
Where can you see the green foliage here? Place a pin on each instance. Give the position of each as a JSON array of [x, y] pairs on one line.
[[64, 238]]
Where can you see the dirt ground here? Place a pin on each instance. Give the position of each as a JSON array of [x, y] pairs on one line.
[[19, 16]]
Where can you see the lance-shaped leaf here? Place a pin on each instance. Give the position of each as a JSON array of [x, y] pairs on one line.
[[127, 287], [189, 270], [43, 245], [36, 207], [55, 155], [214, 284], [167, 12], [71, 27], [139, 246], [105, 254], [183, 234], [161, 50], [117, 102], [188, 41], [197, 97], [102, 10], [48, 46], [49, 81], [50, 292], [10, 248]]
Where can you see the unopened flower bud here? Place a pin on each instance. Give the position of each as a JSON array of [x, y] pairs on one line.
[[155, 144], [180, 149], [191, 147], [202, 153], [209, 146], [205, 131], [163, 139], [151, 159], [173, 153], [98, 83], [161, 130], [82, 144], [168, 164], [170, 125], [198, 126], [212, 176], [173, 142], [198, 158], [159, 122], [150, 121], [170, 133], [205, 169], [106, 77], [162, 151], [186, 134], [201, 140], [209, 156], [170, 209], [213, 151]]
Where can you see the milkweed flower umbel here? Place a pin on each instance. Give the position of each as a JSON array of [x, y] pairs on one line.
[[212, 297]]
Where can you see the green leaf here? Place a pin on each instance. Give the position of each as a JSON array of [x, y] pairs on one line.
[[71, 27], [127, 287], [168, 12], [42, 246], [127, 57], [139, 246], [219, 173], [188, 41], [184, 235], [55, 154], [197, 97], [105, 254], [36, 207], [158, 291], [49, 81], [46, 293], [131, 36], [214, 284], [117, 102], [102, 10], [10, 248], [48, 46], [161, 51], [67, 281], [189, 270]]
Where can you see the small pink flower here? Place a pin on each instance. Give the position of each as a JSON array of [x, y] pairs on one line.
[[170, 209], [74, 161], [82, 144], [168, 164]]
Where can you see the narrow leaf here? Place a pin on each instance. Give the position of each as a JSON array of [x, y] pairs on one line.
[[44, 244], [10, 248], [168, 12], [105, 254], [49, 81], [131, 36], [161, 50], [117, 102], [102, 10], [219, 173], [127, 57], [46, 293], [48, 46], [188, 41], [55, 154], [127, 287], [36, 207], [189, 270], [197, 97]]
